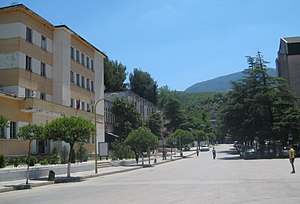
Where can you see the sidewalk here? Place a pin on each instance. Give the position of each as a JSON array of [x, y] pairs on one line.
[[6, 186]]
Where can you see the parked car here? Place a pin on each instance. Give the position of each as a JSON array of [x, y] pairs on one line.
[[250, 153], [204, 148], [284, 152], [242, 149]]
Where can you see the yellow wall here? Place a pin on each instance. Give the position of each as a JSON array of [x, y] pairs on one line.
[[13, 147]]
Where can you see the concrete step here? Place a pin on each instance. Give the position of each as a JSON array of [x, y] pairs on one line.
[[103, 164]]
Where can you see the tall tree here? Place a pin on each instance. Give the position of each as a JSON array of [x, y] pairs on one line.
[[114, 76], [144, 85], [70, 130], [173, 114], [183, 138], [127, 118], [260, 106], [30, 132], [155, 123]]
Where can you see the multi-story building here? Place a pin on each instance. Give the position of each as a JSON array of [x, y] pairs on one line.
[[288, 62], [46, 72]]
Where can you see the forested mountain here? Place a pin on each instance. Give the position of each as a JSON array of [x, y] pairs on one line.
[[221, 84]]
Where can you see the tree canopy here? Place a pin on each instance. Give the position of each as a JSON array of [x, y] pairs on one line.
[[114, 76], [260, 106], [144, 85]]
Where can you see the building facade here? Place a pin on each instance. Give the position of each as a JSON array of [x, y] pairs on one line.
[[288, 62], [46, 72]]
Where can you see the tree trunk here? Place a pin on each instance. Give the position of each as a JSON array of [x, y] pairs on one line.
[[28, 156], [70, 159]]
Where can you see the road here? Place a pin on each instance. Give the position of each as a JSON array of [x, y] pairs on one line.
[[227, 179]]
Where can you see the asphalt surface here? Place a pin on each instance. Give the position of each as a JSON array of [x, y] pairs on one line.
[[228, 179]]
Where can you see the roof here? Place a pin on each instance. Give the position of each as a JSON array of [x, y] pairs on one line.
[[32, 13], [291, 39], [292, 45]]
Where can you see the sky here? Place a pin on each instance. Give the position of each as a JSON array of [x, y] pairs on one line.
[[178, 42]]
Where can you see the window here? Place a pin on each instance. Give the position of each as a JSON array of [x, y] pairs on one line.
[[82, 82], [28, 63], [13, 130], [87, 62], [72, 103], [28, 93], [82, 106], [2, 132], [88, 87], [72, 53], [71, 77], [92, 86], [78, 79], [88, 108], [43, 43], [77, 56], [82, 59], [92, 65], [43, 69], [29, 35], [43, 96]]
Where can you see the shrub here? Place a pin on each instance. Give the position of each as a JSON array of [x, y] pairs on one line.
[[121, 151], [2, 161], [32, 161], [82, 153], [54, 156], [44, 162], [17, 161]]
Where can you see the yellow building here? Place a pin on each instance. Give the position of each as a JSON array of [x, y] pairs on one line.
[[46, 72]]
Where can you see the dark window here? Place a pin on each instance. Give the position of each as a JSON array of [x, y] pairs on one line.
[[88, 87], [72, 53], [72, 103], [43, 43], [43, 69], [71, 77], [13, 130], [29, 35], [43, 96], [92, 65], [82, 59], [92, 86], [87, 62], [28, 63], [77, 56], [82, 82], [78, 79]]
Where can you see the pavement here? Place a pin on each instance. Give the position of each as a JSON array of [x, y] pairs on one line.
[[14, 185]]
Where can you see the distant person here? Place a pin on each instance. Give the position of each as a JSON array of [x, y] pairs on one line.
[[292, 158], [197, 150], [214, 152]]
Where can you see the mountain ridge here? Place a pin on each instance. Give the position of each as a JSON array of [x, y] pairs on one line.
[[222, 83]]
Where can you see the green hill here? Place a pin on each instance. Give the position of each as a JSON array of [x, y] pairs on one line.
[[221, 84]]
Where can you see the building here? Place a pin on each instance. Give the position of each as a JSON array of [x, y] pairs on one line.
[[46, 72], [288, 62]]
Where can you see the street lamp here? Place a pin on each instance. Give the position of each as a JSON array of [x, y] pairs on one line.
[[95, 134]]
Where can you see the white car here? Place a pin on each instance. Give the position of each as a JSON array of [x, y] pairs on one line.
[[204, 148]]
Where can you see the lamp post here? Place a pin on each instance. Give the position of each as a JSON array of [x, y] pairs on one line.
[[95, 134]]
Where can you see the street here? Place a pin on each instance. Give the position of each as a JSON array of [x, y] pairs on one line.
[[228, 179]]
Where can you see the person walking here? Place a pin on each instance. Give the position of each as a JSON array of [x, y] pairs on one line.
[[292, 158], [214, 152], [197, 150]]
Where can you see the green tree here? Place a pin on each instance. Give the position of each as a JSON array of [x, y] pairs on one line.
[[127, 118], [3, 123], [173, 114], [260, 106], [144, 85], [30, 132], [70, 130], [114, 76], [141, 140], [155, 123], [183, 139]]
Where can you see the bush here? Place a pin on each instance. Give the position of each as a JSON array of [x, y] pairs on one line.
[[121, 151], [2, 161], [82, 153], [32, 161], [44, 162], [54, 156], [17, 161]]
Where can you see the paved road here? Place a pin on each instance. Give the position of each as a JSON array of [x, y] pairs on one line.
[[198, 180]]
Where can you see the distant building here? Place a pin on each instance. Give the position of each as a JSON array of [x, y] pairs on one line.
[[288, 62], [46, 72]]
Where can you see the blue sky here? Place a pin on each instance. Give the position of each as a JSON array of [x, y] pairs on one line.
[[179, 42]]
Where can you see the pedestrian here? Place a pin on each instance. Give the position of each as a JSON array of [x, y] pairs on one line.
[[214, 152], [292, 158], [197, 150]]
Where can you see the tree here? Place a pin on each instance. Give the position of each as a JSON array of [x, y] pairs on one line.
[[141, 140], [30, 132], [70, 130], [144, 85], [260, 106], [155, 123], [173, 114], [127, 118], [183, 138], [114, 76], [3, 123]]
